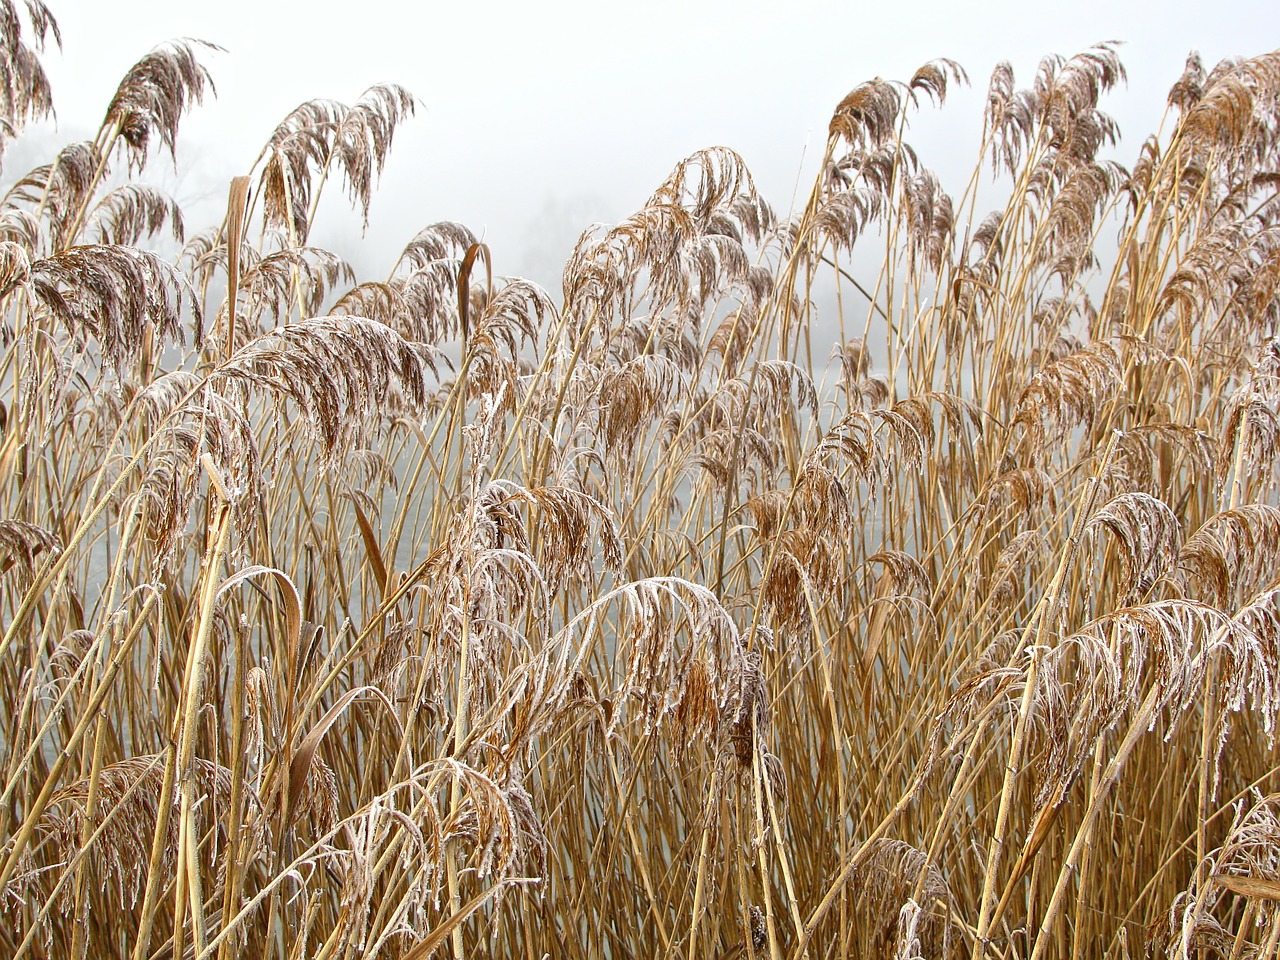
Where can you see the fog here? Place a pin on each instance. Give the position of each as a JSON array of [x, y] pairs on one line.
[[536, 120]]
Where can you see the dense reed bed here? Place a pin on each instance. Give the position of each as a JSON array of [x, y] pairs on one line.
[[439, 613]]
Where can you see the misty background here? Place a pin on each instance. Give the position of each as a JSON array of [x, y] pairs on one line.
[[537, 120]]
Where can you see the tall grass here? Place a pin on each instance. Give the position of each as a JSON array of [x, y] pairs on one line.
[[441, 614]]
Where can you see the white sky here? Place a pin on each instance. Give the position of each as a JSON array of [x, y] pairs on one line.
[[540, 118]]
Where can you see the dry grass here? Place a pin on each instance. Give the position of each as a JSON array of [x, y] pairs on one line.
[[437, 613]]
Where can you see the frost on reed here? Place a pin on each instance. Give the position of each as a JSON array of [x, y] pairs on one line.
[[441, 614]]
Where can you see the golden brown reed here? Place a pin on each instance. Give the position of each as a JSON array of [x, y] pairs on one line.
[[437, 613]]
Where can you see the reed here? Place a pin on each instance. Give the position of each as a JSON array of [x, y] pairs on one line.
[[443, 614]]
